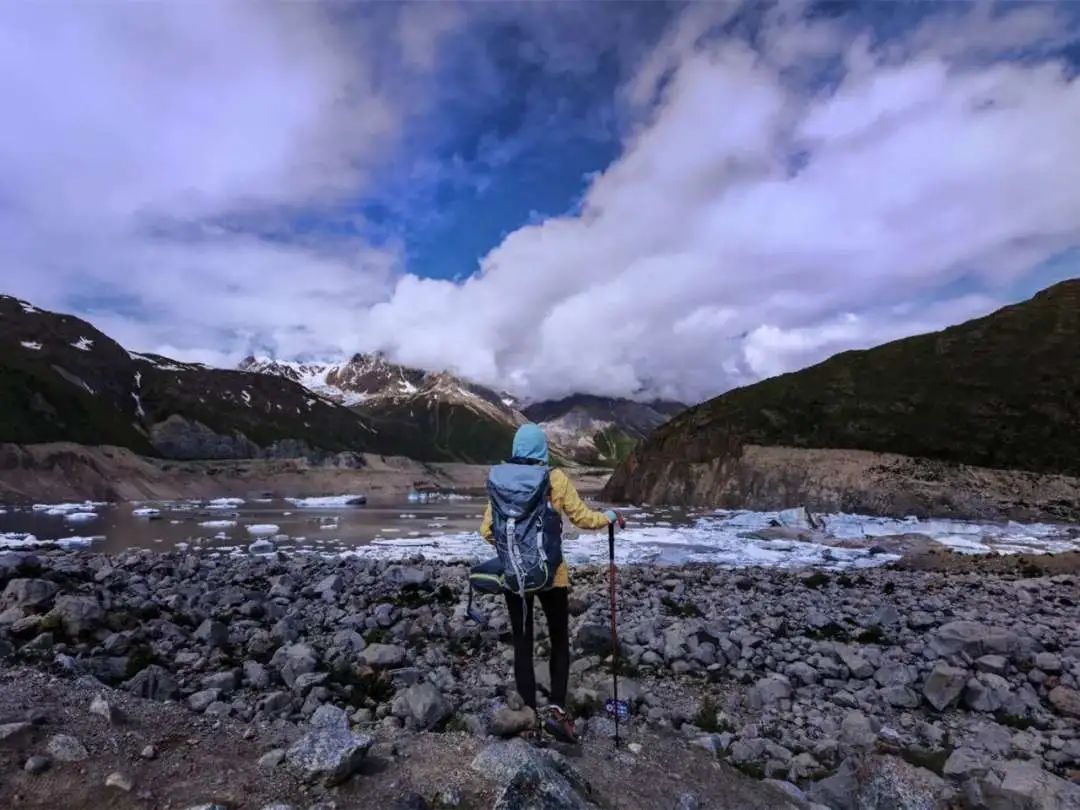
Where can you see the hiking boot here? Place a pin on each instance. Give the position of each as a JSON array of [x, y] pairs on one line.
[[559, 725]]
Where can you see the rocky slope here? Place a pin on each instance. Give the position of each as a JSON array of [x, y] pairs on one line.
[[600, 430], [1000, 392], [63, 380], [868, 690]]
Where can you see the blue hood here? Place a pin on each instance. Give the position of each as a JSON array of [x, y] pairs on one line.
[[530, 442]]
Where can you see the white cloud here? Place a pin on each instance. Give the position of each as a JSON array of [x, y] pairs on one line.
[[136, 134], [756, 220], [707, 255]]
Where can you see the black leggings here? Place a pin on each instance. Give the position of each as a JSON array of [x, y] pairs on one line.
[[554, 603]]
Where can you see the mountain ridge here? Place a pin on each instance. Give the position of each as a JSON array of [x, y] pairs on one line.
[[999, 392]]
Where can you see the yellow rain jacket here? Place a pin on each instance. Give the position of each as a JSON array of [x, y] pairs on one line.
[[565, 499]]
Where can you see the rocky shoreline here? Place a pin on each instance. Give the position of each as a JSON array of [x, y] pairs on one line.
[[899, 687]]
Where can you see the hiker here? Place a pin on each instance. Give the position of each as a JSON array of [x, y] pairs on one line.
[[512, 484]]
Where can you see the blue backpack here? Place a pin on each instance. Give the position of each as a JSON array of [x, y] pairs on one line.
[[528, 532]]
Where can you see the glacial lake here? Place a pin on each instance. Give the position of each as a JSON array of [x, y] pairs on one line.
[[446, 528]]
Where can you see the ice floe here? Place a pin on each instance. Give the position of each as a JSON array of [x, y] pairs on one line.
[[14, 540], [329, 501], [224, 503], [66, 508], [80, 517], [262, 529], [146, 512], [217, 524], [725, 538]]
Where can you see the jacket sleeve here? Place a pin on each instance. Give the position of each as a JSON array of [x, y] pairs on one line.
[[566, 499], [485, 525]]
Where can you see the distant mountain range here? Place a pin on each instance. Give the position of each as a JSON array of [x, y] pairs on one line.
[[453, 418], [61, 379], [1001, 391]]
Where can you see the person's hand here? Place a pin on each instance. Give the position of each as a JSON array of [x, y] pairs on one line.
[[616, 518]]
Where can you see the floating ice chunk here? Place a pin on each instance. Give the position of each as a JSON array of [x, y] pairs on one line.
[[146, 512], [18, 540], [328, 501], [65, 508], [262, 529], [224, 503], [32, 345], [80, 517], [78, 542], [406, 516], [262, 546], [182, 546], [218, 524]]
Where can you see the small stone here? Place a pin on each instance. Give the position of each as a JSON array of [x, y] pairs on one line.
[[328, 755], [119, 781], [963, 762], [944, 685], [66, 748], [213, 634], [856, 731], [996, 664], [102, 708], [199, 701], [1048, 662], [383, 656], [424, 703], [271, 759], [37, 764], [148, 752], [508, 722]]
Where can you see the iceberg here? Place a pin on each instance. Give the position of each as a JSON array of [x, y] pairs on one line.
[[262, 529]]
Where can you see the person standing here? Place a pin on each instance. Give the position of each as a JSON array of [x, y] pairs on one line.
[[530, 448]]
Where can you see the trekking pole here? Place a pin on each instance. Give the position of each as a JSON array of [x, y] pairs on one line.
[[614, 631]]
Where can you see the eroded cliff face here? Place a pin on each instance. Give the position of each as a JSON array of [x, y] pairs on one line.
[[823, 480]]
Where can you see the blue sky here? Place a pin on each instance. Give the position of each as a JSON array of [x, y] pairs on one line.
[[639, 199]]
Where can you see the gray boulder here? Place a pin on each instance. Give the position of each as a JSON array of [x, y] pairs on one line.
[[964, 762], [329, 716], [944, 686], [1021, 785], [77, 615], [507, 722], [383, 656], [424, 704], [531, 778], [406, 576], [65, 748], [293, 660], [327, 755], [212, 633], [858, 666], [769, 690], [987, 692], [198, 701], [153, 683], [889, 783], [28, 593], [1065, 701], [973, 639], [856, 731]]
